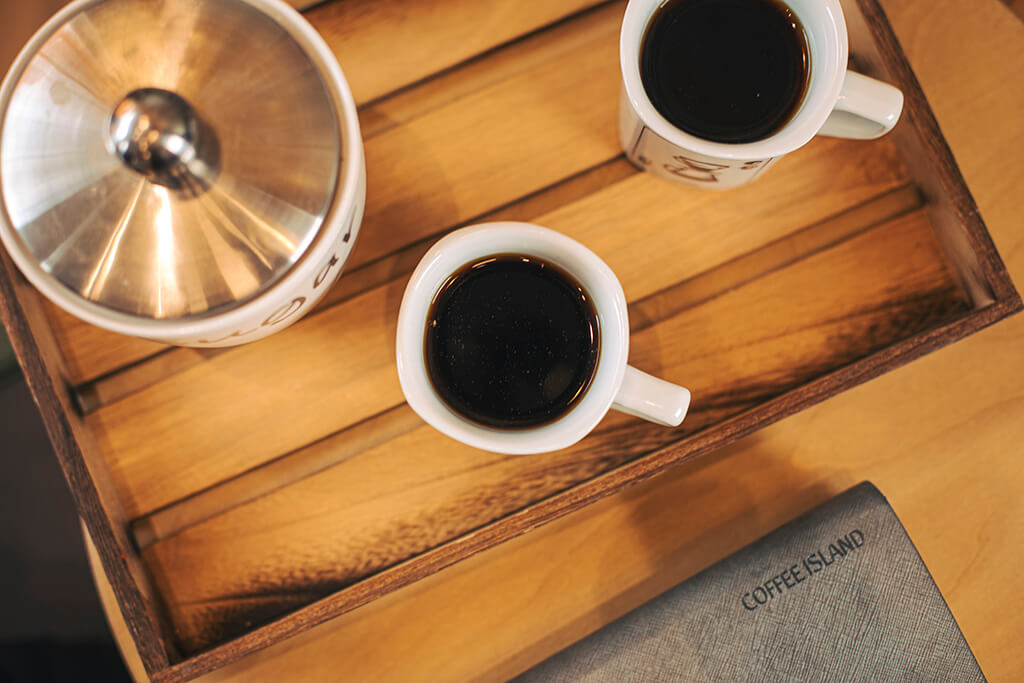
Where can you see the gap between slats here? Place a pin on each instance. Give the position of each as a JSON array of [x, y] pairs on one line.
[[644, 313], [847, 299], [168, 430]]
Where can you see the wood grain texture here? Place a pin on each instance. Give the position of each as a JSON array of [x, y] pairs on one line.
[[491, 147], [953, 209], [90, 351], [274, 475], [171, 439], [884, 168], [116, 621], [386, 45], [409, 494], [746, 269], [940, 437], [146, 372], [644, 313]]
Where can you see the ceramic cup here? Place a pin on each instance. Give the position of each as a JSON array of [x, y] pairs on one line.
[[306, 277], [614, 385], [838, 103]]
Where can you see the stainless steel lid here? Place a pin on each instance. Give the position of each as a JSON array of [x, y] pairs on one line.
[[168, 159]]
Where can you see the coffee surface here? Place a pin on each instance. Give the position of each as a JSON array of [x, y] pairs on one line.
[[730, 71], [511, 341]]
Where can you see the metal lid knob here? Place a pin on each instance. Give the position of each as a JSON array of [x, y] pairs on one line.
[[158, 134]]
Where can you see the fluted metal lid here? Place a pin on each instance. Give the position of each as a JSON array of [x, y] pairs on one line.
[[167, 159]]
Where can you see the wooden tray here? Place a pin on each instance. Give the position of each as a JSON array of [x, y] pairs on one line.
[[241, 496]]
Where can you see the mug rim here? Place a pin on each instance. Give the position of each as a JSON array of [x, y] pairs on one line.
[[340, 214], [462, 247], [814, 109]]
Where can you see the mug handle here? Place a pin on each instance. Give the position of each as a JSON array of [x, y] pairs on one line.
[[653, 399], [866, 109]]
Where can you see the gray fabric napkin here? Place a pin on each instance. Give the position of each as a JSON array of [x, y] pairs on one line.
[[839, 594]]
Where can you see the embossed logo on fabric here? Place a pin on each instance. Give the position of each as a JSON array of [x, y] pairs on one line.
[[806, 568]]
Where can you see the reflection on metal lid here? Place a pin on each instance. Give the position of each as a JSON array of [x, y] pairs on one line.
[[166, 159]]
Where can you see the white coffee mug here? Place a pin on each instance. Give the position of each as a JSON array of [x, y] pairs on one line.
[[614, 384], [838, 102]]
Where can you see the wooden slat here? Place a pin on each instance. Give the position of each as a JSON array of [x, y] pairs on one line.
[[91, 351], [171, 439], [542, 48], [138, 376], [126, 381], [275, 475], [490, 148], [654, 234], [621, 561], [648, 311], [385, 45], [644, 313], [412, 493], [364, 35], [954, 212]]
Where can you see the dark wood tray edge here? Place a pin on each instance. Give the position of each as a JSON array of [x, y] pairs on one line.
[[54, 402], [580, 496], [113, 547], [1007, 302], [922, 119]]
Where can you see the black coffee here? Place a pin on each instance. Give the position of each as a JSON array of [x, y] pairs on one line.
[[725, 70], [511, 341]]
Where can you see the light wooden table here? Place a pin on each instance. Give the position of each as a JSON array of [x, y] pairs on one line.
[[941, 438]]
